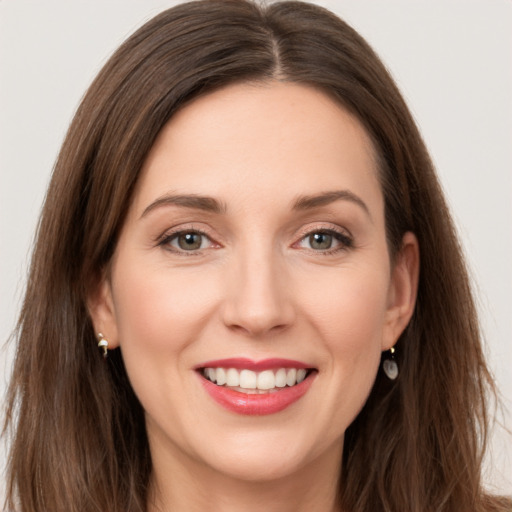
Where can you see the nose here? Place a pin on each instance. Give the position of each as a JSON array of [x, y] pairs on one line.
[[259, 296]]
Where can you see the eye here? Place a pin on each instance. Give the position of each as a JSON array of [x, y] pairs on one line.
[[320, 241], [188, 241], [325, 240]]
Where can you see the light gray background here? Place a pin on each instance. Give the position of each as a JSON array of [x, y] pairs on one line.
[[452, 60]]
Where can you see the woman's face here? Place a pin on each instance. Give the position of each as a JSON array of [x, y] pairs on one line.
[[255, 249]]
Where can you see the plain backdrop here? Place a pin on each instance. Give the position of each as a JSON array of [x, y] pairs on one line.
[[451, 59]]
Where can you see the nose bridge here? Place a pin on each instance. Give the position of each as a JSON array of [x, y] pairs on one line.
[[258, 300]]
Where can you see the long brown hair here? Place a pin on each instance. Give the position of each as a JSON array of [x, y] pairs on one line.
[[79, 441]]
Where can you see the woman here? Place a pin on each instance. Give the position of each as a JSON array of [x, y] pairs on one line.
[[237, 219]]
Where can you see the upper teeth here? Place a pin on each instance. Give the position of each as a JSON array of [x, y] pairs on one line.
[[247, 379]]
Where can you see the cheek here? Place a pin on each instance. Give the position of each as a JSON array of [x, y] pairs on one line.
[[156, 301], [159, 313], [346, 310], [349, 308], [354, 341], [350, 317]]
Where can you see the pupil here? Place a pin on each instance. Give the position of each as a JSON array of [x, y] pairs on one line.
[[320, 241], [189, 241]]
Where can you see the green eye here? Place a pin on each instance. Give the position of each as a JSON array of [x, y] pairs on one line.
[[187, 241], [190, 241], [320, 241], [326, 241]]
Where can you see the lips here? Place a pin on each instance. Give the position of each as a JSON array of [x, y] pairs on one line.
[[251, 387]]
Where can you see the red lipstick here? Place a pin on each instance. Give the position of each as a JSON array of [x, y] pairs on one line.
[[241, 363], [270, 402]]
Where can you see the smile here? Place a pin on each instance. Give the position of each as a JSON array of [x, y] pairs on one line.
[[248, 381], [256, 388]]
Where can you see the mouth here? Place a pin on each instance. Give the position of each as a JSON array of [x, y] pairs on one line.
[[251, 382], [256, 388]]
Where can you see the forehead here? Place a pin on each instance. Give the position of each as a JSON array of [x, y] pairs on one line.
[[260, 139]]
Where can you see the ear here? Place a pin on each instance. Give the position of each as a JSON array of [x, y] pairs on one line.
[[402, 290], [101, 308]]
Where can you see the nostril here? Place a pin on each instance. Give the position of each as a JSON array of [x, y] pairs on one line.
[[257, 329], [258, 302]]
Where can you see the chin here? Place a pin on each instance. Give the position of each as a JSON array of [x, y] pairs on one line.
[[262, 456], [253, 467]]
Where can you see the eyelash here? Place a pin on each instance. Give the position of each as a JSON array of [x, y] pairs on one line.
[[345, 241], [166, 239]]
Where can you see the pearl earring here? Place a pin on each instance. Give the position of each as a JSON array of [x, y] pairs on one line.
[[390, 366], [103, 344]]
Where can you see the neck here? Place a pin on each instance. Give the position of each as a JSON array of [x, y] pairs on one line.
[[186, 485]]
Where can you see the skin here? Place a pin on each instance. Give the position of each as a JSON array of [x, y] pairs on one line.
[[259, 288]]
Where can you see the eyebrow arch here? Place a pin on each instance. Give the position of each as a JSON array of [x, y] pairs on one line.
[[193, 201], [325, 198]]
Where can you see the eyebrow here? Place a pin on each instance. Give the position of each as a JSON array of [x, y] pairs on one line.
[[210, 204], [325, 198], [193, 201]]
